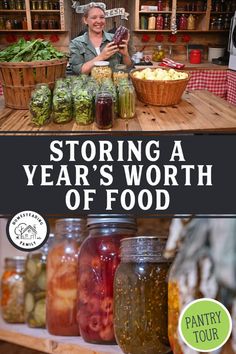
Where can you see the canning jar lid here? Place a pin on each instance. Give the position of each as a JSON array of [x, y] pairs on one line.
[[69, 226], [110, 219], [101, 63], [143, 248], [17, 262]]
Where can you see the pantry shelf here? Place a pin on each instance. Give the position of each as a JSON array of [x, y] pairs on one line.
[[40, 340]]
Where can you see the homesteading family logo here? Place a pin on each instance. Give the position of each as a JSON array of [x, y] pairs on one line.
[[27, 231]]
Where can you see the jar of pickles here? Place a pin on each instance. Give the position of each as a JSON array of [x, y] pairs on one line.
[[158, 53], [61, 298], [98, 259], [140, 292], [35, 286], [126, 100], [104, 110], [101, 71], [12, 288]]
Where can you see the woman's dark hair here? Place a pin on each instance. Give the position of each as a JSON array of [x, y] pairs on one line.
[[92, 6]]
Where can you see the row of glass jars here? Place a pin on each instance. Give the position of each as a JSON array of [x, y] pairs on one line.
[[44, 5], [80, 277]]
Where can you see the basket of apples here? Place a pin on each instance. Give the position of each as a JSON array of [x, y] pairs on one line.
[[159, 86]]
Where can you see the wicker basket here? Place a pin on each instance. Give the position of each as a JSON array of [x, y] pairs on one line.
[[19, 79], [157, 92]]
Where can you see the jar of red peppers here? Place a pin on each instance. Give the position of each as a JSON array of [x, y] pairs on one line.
[[104, 110], [98, 259], [12, 288], [62, 264], [140, 293]]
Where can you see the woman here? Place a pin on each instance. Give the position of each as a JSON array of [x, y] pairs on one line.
[[96, 44]]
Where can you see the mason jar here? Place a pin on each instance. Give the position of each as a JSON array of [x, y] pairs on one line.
[[126, 94], [120, 72], [104, 110], [101, 71], [98, 259], [35, 286], [12, 288], [141, 300], [61, 298]]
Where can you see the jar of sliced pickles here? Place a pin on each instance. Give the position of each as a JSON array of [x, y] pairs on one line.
[[61, 298], [98, 259], [141, 303], [12, 288], [35, 286], [126, 94], [101, 71]]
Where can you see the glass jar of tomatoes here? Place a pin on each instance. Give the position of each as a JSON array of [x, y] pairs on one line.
[[98, 259], [35, 286], [61, 299], [12, 287], [141, 301]]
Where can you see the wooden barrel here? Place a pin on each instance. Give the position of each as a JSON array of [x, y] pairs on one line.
[[19, 79]]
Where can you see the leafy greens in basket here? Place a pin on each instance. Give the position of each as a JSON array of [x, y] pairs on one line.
[[27, 51]]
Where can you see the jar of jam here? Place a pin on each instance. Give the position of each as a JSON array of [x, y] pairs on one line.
[[195, 56], [98, 259], [126, 94], [183, 23], [104, 110], [141, 301], [35, 286], [101, 71], [159, 22], [61, 298], [12, 288]]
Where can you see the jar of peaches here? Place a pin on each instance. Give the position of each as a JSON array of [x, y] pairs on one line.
[[61, 299], [98, 259]]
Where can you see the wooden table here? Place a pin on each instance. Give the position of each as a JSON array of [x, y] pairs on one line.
[[198, 111]]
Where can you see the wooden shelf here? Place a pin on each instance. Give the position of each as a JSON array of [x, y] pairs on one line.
[[12, 11], [155, 12], [46, 11], [34, 31], [179, 31], [40, 340]]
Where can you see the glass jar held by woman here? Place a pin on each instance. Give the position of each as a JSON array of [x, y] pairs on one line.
[[96, 44]]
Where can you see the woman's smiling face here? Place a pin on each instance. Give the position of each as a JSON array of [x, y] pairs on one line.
[[95, 20]]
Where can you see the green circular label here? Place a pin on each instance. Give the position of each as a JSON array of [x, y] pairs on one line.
[[205, 325]]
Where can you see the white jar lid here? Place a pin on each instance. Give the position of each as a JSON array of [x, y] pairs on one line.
[[101, 63]]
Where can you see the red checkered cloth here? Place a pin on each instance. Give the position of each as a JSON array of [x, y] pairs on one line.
[[214, 81], [1, 90], [231, 85]]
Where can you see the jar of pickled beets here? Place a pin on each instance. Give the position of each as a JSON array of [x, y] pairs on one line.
[[62, 264], [104, 107], [98, 259]]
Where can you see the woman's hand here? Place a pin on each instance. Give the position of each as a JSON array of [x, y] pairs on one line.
[[123, 48], [108, 51]]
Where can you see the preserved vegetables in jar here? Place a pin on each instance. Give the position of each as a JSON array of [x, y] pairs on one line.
[[141, 301], [40, 104], [61, 298], [62, 104], [98, 259], [158, 53], [120, 72], [35, 286], [104, 110], [126, 100], [12, 288], [83, 106], [101, 71]]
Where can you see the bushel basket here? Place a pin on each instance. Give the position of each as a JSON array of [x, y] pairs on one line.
[[159, 92], [19, 79]]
